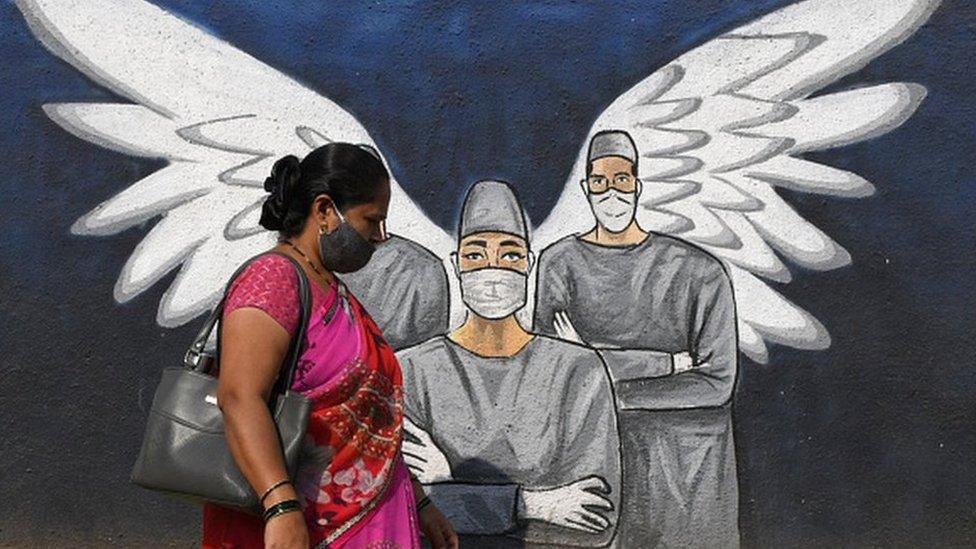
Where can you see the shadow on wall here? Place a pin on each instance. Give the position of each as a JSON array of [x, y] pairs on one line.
[[491, 476]]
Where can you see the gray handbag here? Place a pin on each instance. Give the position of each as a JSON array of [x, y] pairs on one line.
[[184, 451]]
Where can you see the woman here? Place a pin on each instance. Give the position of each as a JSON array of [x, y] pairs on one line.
[[352, 489]]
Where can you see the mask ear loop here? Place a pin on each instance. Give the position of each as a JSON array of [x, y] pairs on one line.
[[342, 219], [455, 263]]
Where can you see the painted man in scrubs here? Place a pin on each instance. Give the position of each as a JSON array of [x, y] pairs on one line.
[[404, 288], [513, 433], [660, 312]]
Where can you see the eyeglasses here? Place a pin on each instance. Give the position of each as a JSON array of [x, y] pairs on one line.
[[624, 183]]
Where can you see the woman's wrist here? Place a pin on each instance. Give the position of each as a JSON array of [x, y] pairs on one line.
[[280, 484], [283, 493], [418, 489], [281, 508], [423, 503]]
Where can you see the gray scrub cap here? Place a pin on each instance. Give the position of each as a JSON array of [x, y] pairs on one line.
[[612, 143], [492, 206]]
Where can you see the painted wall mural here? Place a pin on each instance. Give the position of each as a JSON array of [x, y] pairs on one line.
[[571, 381]]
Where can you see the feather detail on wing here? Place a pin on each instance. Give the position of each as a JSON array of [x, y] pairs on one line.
[[218, 116], [723, 126]]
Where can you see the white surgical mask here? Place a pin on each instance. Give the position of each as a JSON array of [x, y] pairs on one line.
[[493, 293], [613, 209]]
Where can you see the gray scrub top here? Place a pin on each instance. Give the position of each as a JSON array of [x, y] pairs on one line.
[[637, 305], [404, 288], [542, 418]]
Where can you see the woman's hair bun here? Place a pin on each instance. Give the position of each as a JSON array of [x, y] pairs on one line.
[[349, 174], [280, 185]]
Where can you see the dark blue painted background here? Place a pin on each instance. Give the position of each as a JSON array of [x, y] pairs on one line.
[[870, 442]]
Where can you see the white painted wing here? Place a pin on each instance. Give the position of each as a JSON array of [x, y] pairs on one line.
[[218, 116], [724, 125]]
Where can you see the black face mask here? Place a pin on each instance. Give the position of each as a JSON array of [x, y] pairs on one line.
[[344, 250]]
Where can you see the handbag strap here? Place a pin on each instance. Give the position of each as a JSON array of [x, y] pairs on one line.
[[287, 374], [192, 359]]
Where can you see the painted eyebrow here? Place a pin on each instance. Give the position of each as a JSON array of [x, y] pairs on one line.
[[621, 173], [511, 243], [482, 243]]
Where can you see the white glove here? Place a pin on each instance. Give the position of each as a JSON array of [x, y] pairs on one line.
[[683, 362], [565, 506], [424, 459], [565, 329]]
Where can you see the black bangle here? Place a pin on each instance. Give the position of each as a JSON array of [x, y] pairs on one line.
[[424, 502], [273, 487], [281, 507]]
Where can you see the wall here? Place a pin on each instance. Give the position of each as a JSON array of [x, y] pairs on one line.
[[861, 438]]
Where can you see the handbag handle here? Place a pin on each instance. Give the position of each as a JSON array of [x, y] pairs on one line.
[[193, 358]]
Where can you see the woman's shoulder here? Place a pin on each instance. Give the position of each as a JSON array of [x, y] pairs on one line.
[[270, 270], [270, 264], [268, 282]]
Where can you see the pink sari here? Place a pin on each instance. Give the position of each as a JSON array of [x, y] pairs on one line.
[[364, 501]]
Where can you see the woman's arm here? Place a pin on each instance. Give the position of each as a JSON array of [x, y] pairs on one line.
[[253, 346], [433, 523]]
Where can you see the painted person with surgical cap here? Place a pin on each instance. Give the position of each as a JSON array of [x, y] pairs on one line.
[[404, 288], [513, 434], [660, 312]]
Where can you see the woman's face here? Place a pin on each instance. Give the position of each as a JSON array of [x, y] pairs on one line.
[[367, 218]]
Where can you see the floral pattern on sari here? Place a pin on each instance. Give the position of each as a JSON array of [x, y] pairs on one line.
[[356, 421]]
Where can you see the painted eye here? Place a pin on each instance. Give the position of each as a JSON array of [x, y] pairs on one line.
[[513, 256], [473, 256]]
